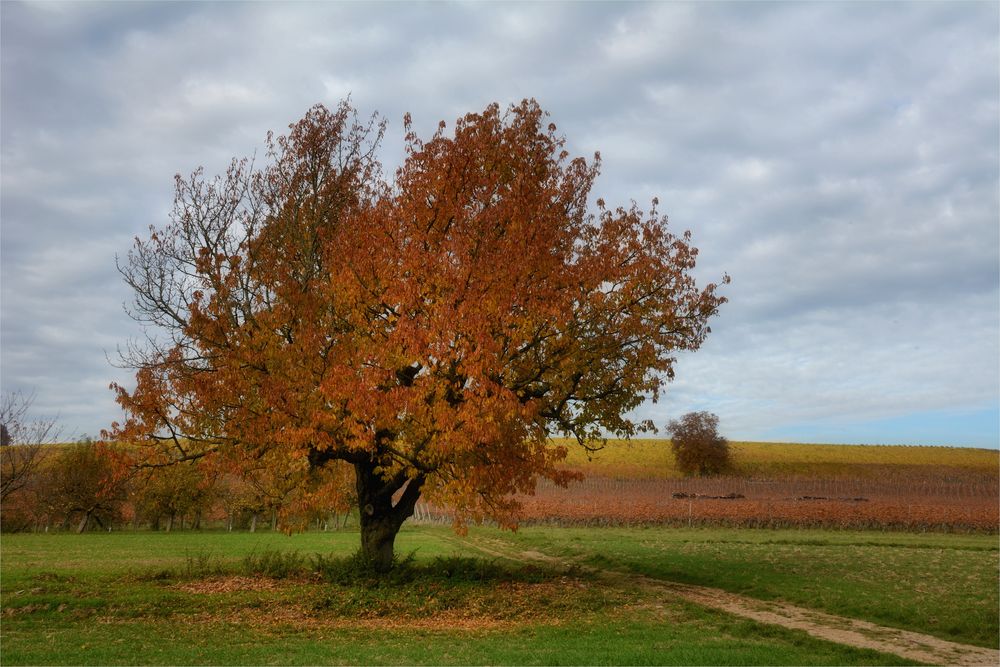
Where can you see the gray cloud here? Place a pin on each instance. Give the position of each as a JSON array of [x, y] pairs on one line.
[[839, 160]]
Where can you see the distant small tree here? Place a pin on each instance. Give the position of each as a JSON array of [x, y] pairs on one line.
[[698, 447], [81, 486], [170, 492], [21, 440]]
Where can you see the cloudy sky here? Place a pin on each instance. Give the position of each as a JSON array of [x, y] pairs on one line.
[[840, 161]]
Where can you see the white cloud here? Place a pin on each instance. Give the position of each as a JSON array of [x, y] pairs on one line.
[[653, 32], [750, 170], [839, 161]]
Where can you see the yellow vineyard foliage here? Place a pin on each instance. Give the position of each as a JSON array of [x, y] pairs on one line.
[[653, 459]]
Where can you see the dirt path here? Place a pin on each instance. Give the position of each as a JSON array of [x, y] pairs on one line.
[[852, 632]]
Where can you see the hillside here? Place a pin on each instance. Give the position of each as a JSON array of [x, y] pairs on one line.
[[653, 459]]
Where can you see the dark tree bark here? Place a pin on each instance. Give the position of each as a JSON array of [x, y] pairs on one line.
[[381, 519]]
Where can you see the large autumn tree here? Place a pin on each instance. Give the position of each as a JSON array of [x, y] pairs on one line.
[[433, 331]]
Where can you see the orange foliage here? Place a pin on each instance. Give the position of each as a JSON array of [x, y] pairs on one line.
[[433, 332]]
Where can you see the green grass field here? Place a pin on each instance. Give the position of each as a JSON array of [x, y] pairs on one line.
[[188, 598], [943, 585]]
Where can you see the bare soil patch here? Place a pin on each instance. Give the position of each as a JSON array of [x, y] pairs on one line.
[[852, 632]]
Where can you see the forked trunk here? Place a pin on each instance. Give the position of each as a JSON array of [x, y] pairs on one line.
[[380, 518]]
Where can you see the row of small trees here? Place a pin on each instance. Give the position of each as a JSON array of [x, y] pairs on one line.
[[88, 485], [80, 486], [63, 489]]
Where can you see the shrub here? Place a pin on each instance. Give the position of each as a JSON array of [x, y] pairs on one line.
[[275, 564], [348, 570], [698, 447]]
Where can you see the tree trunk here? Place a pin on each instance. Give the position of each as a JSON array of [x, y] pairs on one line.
[[82, 526], [378, 538], [380, 518], [253, 523]]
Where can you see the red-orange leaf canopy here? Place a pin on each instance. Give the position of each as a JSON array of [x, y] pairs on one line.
[[433, 331]]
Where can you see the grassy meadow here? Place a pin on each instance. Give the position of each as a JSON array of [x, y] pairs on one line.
[[218, 597], [265, 598]]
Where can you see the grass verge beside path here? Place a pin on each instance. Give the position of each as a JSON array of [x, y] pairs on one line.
[[938, 584]]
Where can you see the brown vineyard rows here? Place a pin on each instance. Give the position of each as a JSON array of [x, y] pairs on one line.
[[804, 503]]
